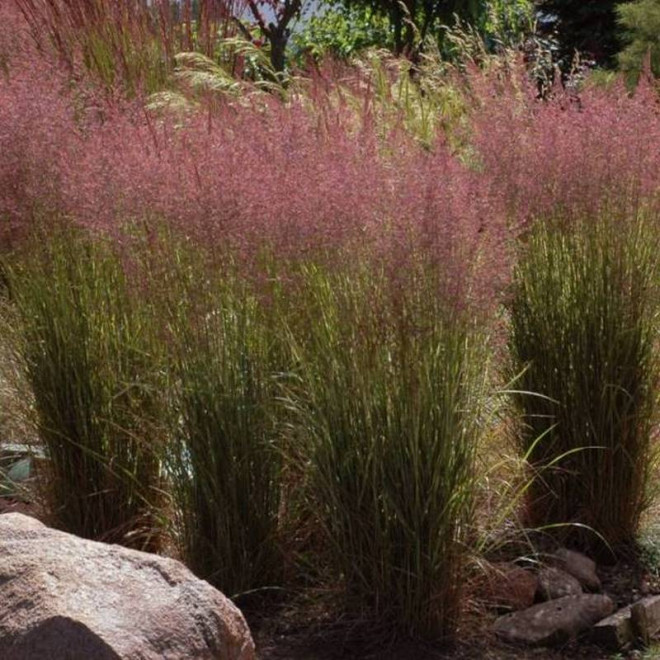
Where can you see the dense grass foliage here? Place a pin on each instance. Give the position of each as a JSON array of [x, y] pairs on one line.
[[225, 461], [88, 349], [584, 329], [387, 411]]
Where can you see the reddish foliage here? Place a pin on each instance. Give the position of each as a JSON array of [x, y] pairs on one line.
[[301, 181], [570, 153]]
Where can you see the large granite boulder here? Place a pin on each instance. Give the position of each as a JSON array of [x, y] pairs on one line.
[[65, 598]]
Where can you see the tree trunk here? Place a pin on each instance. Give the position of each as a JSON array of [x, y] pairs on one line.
[[397, 22], [278, 43]]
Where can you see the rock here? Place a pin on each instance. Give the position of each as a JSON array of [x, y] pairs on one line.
[[554, 622], [639, 621], [579, 566], [639, 618], [65, 598], [15, 451], [509, 587], [614, 632], [15, 478], [555, 583]]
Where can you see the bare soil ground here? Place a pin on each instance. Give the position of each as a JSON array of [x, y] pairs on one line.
[[11, 505], [306, 631], [290, 643], [312, 645]]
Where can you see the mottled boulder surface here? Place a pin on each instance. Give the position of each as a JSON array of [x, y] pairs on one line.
[[579, 566], [66, 598], [555, 583], [554, 622]]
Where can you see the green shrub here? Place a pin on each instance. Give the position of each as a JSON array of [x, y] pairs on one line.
[[342, 31], [386, 416], [582, 328], [87, 345]]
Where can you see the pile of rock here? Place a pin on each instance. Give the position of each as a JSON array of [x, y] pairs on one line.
[[561, 600]]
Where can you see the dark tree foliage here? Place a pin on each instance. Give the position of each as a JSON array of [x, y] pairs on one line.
[[586, 26], [414, 20]]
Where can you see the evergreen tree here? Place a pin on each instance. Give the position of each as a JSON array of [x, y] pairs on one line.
[[640, 21], [586, 26]]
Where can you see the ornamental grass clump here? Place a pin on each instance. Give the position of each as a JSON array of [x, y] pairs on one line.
[[574, 152], [87, 345], [224, 461], [387, 412], [124, 44], [583, 329]]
